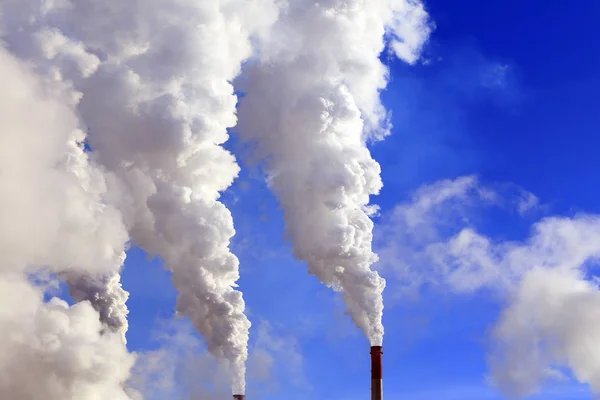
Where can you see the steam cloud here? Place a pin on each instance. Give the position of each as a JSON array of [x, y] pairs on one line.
[[156, 101], [53, 221], [311, 103], [105, 294], [147, 86]]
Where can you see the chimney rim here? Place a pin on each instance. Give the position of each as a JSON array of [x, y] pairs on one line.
[[376, 349]]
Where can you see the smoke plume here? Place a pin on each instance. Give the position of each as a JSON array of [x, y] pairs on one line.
[[53, 220], [106, 295], [312, 101], [28, 29], [157, 102], [160, 131]]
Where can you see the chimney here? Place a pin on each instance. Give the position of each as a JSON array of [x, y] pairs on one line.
[[376, 377], [239, 396]]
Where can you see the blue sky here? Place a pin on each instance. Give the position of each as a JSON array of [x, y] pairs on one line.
[[507, 92]]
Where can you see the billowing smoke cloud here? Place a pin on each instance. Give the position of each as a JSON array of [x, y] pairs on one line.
[[53, 218], [312, 99], [157, 101], [106, 295], [27, 29], [553, 300], [158, 114]]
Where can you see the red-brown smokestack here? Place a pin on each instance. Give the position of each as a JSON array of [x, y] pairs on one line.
[[376, 376], [239, 396]]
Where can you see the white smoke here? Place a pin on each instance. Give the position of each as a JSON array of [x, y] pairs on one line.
[[106, 295], [26, 27], [158, 115], [157, 102], [53, 351], [153, 89], [312, 99], [53, 218]]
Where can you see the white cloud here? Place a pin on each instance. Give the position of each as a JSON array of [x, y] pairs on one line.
[[415, 240], [410, 29], [552, 319], [553, 314], [527, 202]]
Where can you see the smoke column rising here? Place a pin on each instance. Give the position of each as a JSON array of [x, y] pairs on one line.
[[311, 103], [106, 295], [52, 216], [27, 28], [157, 101], [162, 137], [153, 90]]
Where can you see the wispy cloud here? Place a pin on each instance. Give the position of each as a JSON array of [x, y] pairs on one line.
[[431, 238], [182, 368], [553, 308], [276, 357]]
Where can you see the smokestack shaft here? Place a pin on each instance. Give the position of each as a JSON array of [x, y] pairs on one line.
[[376, 376], [239, 396]]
